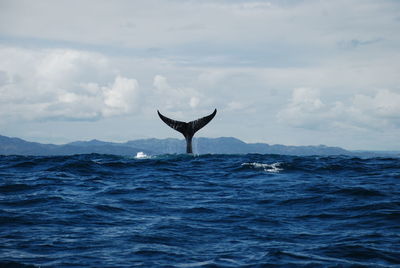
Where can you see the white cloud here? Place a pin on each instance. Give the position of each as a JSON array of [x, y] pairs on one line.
[[306, 110], [121, 97], [194, 102], [62, 84], [377, 111], [175, 98]]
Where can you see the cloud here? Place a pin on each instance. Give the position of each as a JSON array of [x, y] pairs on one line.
[[54, 84], [121, 97], [175, 97], [3, 78], [250, 65], [266, 27], [354, 43], [235, 106], [377, 111], [307, 110]]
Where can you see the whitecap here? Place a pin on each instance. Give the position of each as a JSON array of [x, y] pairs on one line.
[[273, 168], [141, 155], [196, 264]]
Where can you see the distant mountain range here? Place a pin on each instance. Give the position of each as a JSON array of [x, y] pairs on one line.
[[223, 145]]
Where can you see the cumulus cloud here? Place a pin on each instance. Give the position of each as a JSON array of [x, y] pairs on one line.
[[120, 98], [62, 84], [175, 97], [379, 110], [307, 110]]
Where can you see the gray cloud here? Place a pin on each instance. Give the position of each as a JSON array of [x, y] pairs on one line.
[[274, 66]]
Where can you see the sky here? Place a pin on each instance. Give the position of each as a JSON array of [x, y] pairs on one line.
[[280, 72]]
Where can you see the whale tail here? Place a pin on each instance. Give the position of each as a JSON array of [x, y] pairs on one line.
[[188, 129]]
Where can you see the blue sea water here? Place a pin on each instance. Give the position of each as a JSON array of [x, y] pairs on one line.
[[199, 211]]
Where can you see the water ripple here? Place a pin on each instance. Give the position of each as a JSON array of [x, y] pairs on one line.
[[199, 211]]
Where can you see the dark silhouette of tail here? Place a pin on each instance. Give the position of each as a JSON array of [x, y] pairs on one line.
[[188, 129]]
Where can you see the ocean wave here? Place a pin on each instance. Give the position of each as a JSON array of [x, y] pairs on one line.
[[272, 168], [199, 211]]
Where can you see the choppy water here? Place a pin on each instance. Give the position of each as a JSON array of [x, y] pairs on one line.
[[201, 211]]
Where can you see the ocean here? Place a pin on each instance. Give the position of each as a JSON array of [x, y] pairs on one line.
[[199, 211]]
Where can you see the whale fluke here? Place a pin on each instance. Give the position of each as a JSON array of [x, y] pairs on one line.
[[188, 128]]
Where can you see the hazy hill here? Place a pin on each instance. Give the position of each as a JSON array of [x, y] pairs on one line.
[[223, 145], [16, 146]]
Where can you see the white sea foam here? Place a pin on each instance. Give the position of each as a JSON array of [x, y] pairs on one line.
[[196, 264], [141, 155], [273, 168]]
